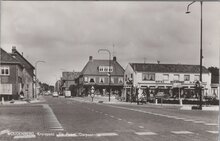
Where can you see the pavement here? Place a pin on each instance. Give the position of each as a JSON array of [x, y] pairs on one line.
[[105, 100], [20, 102]]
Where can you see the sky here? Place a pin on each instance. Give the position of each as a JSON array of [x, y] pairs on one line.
[[65, 33]]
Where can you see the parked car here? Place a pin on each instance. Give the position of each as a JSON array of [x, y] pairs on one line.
[[55, 94]]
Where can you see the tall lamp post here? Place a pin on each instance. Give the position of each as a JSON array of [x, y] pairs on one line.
[[200, 78], [39, 61], [109, 73]]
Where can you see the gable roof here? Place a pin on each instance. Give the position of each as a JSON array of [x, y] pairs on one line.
[[91, 67], [6, 58], [167, 68], [21, 58]]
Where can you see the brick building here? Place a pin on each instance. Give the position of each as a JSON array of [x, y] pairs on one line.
[[16, 75], [10, 76], [96, 74]]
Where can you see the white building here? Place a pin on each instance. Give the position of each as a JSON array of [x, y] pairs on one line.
[[177, 80]]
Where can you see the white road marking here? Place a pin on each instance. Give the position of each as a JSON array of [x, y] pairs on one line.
[[182, 132], [25, 137], [214, 124], [53, 123], [145, 133], [59, 135], [141, 127], [106, 134], [179, 118], [213, 132], [198, 121], [130, 122], [189, 120], [112, 116], [119, 119], [106, 114]]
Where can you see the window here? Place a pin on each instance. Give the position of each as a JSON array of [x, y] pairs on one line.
[[186, 77], [4, 70], [126, 77], [105, 69], [85, 79], [166, 77], [112, 79], [92, 80], [176, 77], [196, 77], [101, 69], [148, 77], [120, 80], [101, 80]]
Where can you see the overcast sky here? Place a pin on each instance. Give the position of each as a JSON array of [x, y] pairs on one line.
[[65, 34]]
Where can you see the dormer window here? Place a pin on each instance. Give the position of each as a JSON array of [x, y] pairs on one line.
[[105, 69]]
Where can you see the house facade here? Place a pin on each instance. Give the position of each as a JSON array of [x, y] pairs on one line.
[[27, 74], [97, 74], [10, 76], [176, 80]]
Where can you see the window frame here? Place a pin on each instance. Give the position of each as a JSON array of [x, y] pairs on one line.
[[103, 79], [186, 76], [148, 76], [3, 70], [120, 79]]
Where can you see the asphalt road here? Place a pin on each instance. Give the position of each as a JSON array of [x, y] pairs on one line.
[[68, 119]]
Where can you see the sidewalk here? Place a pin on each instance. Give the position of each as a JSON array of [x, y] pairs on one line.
[[19, 102], [105, 100], [99, 99]]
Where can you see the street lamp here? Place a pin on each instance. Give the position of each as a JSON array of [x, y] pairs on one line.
[[200, 89], [109, 74], [39, 61]]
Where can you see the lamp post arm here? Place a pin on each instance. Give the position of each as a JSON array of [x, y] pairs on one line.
[[187, 11]]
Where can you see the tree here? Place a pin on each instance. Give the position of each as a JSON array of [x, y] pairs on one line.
[[214, 74]]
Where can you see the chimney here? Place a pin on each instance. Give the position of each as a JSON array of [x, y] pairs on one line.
[[90, 58], [114, 58], [13, 49]]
